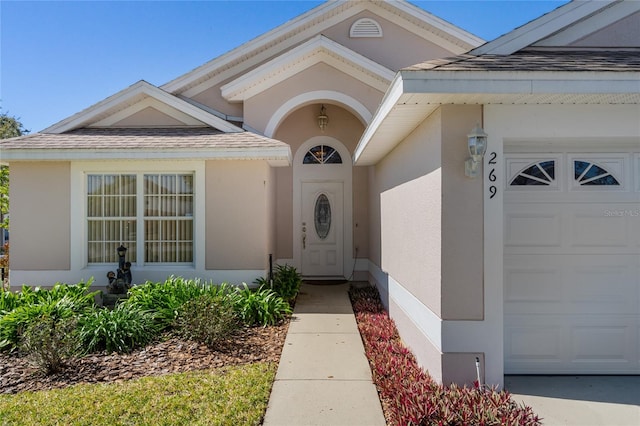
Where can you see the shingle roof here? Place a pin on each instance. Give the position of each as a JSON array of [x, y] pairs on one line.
[[142, 138], [611, 61]]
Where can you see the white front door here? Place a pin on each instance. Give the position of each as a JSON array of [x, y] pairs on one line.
[[321, 229]]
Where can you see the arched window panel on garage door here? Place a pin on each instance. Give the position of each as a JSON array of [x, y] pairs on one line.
[[322, 154], [588, 173], [540, 173], [598, 172]]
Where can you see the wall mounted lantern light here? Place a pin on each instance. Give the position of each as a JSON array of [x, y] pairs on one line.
[[477, 140], [323, 120]]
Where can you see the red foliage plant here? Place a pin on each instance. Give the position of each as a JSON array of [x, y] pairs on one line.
[[410, 395]]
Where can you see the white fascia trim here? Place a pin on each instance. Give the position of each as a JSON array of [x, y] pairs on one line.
[[518, 82], [277, 156], [542, 27], [318, 49], [587, 26], [394, 93], [84, 118]]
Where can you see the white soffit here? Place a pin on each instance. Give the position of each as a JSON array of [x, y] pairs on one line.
[[544, 26], [318, 49], [127, 99], [311, 23], [414, 95]]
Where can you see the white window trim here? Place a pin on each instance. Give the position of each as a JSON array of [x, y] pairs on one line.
[[78, 208]]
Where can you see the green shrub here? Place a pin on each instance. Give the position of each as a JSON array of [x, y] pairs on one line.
[[286, 282], [259, 307], [21, 318], [207, 319], [49, 343], [120, 330], [166, 298], [75, 297], [8, 301], [19, 309]]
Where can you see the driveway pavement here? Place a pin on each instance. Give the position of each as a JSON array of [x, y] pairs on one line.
[[579, 400]]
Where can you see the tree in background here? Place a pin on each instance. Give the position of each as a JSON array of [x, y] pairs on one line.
[[10, 127]]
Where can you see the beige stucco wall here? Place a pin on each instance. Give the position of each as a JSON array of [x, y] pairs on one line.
[[212, 98], [431, 238], [297, 128], [431, 216], [149, 117], [40, 208], [238, 228], [462, 219], [385, 50], [408, 184], [259, 109]]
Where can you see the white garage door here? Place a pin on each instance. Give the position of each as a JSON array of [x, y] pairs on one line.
[[572, 263]]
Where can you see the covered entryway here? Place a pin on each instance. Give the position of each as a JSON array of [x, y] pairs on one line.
[[572, 263]]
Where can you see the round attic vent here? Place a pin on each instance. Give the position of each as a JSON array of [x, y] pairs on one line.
[[365, 27]]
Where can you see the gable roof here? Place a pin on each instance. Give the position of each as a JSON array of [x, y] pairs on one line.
[[509, 71], [571, 21], [307, 25], [134, 94], [316, 50], [201, 143]]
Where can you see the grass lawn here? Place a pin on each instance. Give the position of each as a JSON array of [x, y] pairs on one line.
[[229, 396]]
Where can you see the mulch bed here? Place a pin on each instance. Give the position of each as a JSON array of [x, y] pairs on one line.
[[171, 355]]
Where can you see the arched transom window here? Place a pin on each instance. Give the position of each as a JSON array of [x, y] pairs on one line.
[[322, 154]]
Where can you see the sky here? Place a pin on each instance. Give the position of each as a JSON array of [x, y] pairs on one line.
[[60, 57]]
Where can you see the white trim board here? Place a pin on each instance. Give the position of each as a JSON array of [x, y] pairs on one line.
[[132, 95], [316, 50]]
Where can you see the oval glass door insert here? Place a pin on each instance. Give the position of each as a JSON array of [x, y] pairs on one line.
[[322, 216]]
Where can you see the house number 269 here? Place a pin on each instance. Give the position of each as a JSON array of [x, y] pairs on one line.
[[493, 189]]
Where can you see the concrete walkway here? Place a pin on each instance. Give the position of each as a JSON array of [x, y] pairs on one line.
[[323, 377]]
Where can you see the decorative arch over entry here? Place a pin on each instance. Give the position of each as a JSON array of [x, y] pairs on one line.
[[351, 104]]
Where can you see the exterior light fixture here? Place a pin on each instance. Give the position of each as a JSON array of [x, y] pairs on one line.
[[323, 120], [477, 140], [122, 251]]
